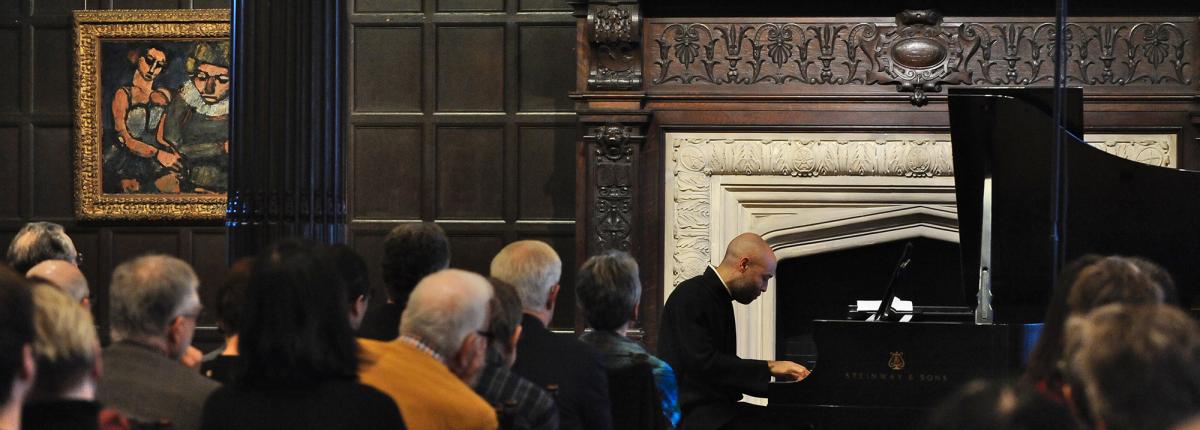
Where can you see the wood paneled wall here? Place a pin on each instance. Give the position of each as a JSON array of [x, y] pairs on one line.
[[36, 147], [459, 114]]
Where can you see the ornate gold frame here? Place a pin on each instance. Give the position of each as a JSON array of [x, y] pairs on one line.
[[91, 203]]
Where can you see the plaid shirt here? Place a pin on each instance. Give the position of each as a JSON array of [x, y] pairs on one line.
[[531, 407]]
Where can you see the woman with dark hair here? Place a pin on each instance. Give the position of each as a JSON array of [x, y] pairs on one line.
[[299, 357], [221, 363]]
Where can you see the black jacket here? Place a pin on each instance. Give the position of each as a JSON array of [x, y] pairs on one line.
[[697, 338], [574, 367]]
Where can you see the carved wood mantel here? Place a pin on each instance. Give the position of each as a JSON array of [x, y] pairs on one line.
[[640, 77]]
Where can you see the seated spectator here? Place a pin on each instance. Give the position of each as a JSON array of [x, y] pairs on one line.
[[353, 270], [428, 370], [549, 359], [608, 291], [987, 405], [65, 276], [154, 306], [16, 346], [299, 357], [521, 403], [1134, 367], [67, 350], [1085, 284], [221, 364], [410, 252], [40, 241]]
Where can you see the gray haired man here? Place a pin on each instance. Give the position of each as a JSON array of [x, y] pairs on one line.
[[37, 242], [154, 305]]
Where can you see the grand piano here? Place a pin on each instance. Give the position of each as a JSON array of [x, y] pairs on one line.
[[886, 375]]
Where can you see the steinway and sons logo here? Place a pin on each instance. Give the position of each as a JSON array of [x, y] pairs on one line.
[[897, 364]]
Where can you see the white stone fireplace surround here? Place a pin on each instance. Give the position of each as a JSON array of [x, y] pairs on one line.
[[810, 193]]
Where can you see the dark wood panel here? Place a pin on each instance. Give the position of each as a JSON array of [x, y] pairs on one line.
[[11, 7], [211, 4], [52, 188], [10, 71], [387, 69], [544, 5], [470, 63], [470, 169], [547, 173], [52, 60], [145, 4], [386, 6], [369, 244], [10, 172], [58, 7], [473, 252], [547, 67], [209, 255], [564, 245], [129, 244], [470, 5], [386, 173]]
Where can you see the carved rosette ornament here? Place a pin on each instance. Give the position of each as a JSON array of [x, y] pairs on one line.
[[614, 32], [612, 158]]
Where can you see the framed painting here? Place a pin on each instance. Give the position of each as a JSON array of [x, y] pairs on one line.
[[152, 94]]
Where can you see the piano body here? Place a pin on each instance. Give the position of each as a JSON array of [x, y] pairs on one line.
[[886, 375]]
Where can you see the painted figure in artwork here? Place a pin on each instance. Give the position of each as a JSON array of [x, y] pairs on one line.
[[196, 122], [133, 159]]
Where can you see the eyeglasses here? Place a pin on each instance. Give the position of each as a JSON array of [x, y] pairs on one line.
[[78, 259], [486, 334]]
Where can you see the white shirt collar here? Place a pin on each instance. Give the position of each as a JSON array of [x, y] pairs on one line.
[[714, 269]]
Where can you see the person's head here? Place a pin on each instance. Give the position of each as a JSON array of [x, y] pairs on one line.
[[1160, 276], [209, 66], [505, 319], [1112, 279], [1134, 367], [411, 252], [66, 347], [37, 242], [294, 326], [150, 61], [65, 276], [353, 270], [17, 366], [447, 311], [608, 290], [153, 300], [534, 269], [227, 300], [990, 405], [748, 265]]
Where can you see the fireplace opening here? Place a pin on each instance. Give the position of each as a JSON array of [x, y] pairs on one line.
[[822, 286]]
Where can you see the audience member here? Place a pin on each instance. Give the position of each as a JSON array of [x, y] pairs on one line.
[[522, 404], [410, 252], [534, 269], [67, 352], [299, 357], [1084, 284], [987, 405], [16, 346], [65, 276], [154, 306], [428, 370], [1134, 367], [353, 270], [221, 364], [40, 241], [608, 291]]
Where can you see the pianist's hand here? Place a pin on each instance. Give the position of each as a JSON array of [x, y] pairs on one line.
[[787, 370]]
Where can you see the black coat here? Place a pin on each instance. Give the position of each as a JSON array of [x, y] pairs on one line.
[[697, 338], [577, 369]]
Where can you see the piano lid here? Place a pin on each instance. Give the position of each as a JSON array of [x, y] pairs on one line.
[[1113, 205]]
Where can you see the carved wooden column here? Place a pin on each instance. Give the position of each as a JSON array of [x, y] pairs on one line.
[[287, 128]]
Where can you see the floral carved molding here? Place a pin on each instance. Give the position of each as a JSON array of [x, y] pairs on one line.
[[614, 33], [694, 159], [918, 53]]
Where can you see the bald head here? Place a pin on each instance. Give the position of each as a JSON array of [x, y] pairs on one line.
[[748, 265], [64, 275], [445, 308]]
